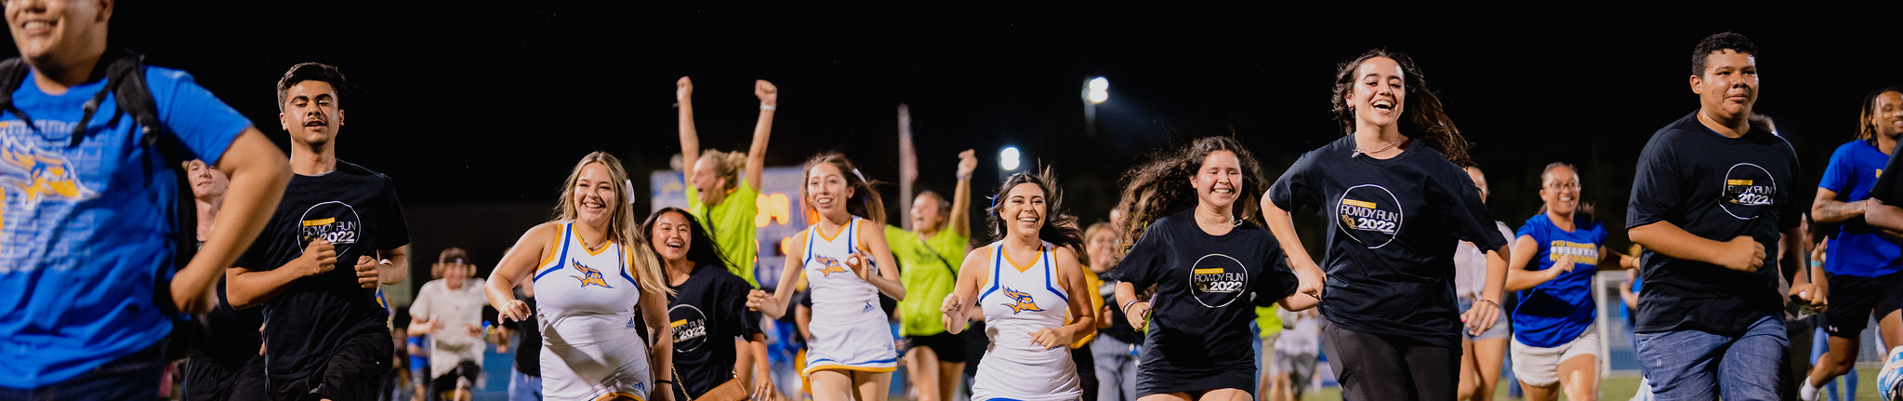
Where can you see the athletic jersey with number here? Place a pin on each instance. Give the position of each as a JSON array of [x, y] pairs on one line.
[[586, 299], [1018, 300], [849, 329]]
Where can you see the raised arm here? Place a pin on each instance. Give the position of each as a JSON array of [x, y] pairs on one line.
[[960, 218], [515, 267], [756, 155], [1741, 253], [690, 138], [258, 174]]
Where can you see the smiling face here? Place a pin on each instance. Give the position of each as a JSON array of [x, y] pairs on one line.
[[1023, 210], [310, 113], [594, 197], [1729, 85], [827, 191], [1886, 114], [58, 32], [1218, 180], [672, 236], [207, 182], [707, 180], [1559, 187], [1100, 244], [925, 216], [1380, 91]]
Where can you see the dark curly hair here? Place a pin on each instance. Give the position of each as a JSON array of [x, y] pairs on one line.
[[1865, 131], [1422, 116], [1720, 42], [1159, 187]]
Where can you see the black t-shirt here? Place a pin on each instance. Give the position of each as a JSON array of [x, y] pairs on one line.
[[1207, 288], [1393, 226], [528, 348], [1717, 188], [233, 334], [1886, 188], [708, 312], [1120, 328], [357, 211]]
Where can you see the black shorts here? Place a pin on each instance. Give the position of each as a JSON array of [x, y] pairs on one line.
[[447, 382], [949, 347], [354, 372], [1372, 366], [1853, 299], [1153, 380], [207, 378]]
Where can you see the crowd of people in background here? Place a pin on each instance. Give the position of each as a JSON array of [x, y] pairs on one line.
[[160, 226]]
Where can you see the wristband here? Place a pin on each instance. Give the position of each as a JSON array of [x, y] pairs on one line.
[[1126, 305], [767, 107], [669, 382], [1816, 263], [1495, 304], [964, 176]]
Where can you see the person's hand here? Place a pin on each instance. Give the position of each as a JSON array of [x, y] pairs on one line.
[[1562, 266], [1050, 338], [429, 327], [764, 389], [759, 300], [514, 311], [474, 330], [857, 263], [319, 257], [1742, 254], [1481, 316], [769, 95], [1138, 314], [1310, 279], [967, 163], [683, 90], [953, 311], [1817, 296], [366, 272]]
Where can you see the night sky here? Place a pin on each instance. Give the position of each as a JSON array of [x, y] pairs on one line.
[[484, 103]]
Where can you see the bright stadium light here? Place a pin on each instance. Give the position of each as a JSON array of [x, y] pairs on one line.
[[1099, 90], [1008, 158]]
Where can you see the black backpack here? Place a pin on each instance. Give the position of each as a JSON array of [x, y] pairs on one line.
[[124, 72]]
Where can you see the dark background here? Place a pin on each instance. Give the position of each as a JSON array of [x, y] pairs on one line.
[[480, 108]]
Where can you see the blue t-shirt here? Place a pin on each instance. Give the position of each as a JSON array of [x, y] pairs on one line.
[[85, 231], [1556, 311], [1858, 250]]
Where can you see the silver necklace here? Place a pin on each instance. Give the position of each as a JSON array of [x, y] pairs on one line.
[[1360, 151]]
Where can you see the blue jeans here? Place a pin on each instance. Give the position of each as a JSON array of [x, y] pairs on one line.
[[524, 387], [134, 376], [1696, 365]]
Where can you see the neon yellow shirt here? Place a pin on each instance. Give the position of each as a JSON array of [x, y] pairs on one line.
[[731, 224], [1268, 320], [929, 270]]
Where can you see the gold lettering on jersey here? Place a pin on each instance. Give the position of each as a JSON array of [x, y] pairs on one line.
[[1583, 254]]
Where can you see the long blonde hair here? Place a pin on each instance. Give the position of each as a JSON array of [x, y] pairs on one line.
[[621, 226]]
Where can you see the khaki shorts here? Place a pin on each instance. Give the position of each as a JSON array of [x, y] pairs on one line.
[[1539, 367]]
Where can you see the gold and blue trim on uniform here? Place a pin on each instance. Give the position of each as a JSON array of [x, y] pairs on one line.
[[829, 364], [566, 228]]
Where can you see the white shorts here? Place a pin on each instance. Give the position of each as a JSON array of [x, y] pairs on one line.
[[1537, 366], [596, 371]]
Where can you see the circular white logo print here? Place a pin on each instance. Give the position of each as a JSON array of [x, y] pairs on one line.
[[333, 221], [689, 325], [1749, 190], [1369, 214], [1217, 279]]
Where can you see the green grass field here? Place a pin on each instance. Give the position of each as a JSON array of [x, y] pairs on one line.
[[1621, 388]]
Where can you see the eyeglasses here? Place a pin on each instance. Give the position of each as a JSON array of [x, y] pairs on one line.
[[1569, 185]]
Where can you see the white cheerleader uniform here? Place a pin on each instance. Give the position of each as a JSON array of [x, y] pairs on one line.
[[591, 348], [1017, 302], [850, 331]]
